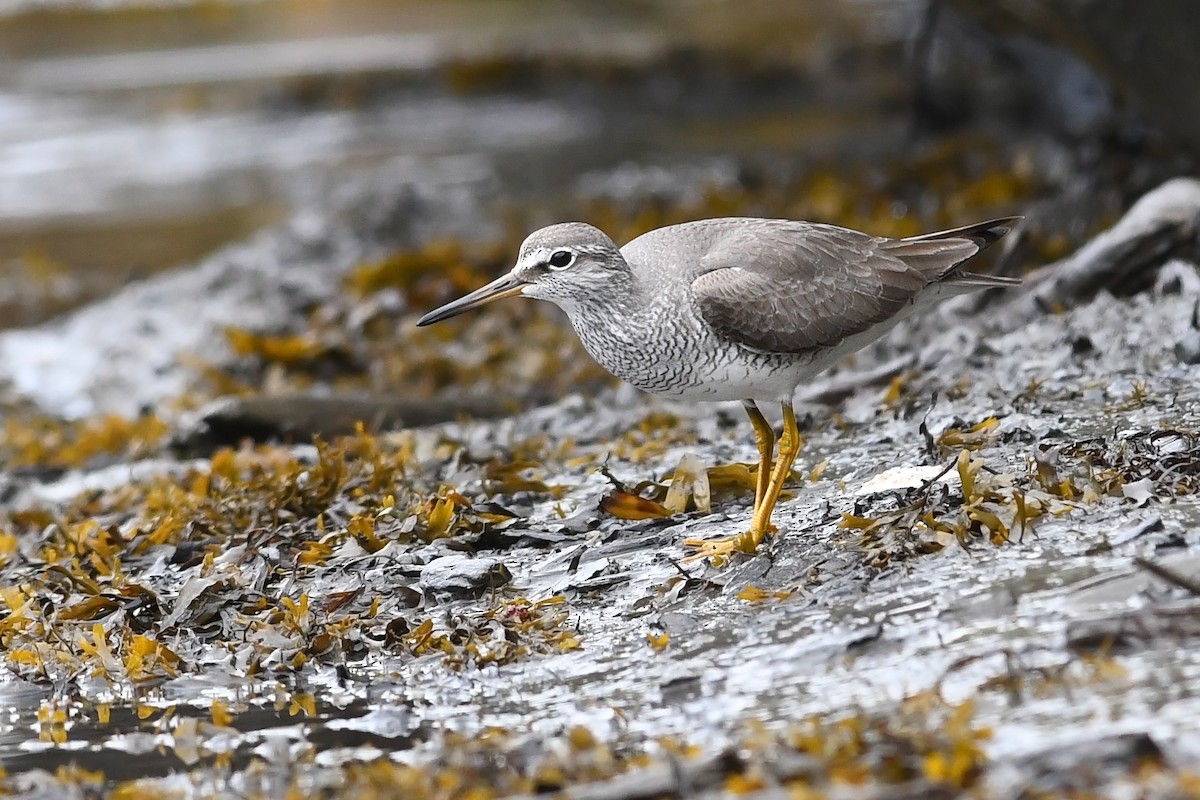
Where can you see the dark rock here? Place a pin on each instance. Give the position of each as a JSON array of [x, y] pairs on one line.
[[1093, 764], [1187, 347], [1083, 54], [463, 575], [300, 417]]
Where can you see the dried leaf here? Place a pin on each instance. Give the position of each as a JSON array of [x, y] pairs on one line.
[[689, 483], [89, 609], [362, 528], [658, 641], [855, 522], [332, 602], [967, 470], [624, 505], [220, 713], [818, 470], [753, 594], [732, 481], [972, 438]]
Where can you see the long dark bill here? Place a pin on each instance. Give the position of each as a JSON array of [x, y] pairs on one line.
[[505, 286]]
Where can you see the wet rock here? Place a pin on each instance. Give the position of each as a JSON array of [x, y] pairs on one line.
[[380, 726], [1123, 586], [1178, 277], [137, 348], [1178, 625], [1095, 763], [504, 538], [1135, 531], [1082, 345], [903, 477], [1187, 347], [300, 417], [462, 575], [675, 779], [60, 486]]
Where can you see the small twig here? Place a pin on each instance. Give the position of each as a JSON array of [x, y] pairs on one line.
[[679, 568], [927, 485], [1168, 575]]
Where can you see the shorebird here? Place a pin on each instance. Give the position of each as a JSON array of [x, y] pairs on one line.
[[737, 308]]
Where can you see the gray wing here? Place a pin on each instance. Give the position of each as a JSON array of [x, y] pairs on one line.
[[791, 287]]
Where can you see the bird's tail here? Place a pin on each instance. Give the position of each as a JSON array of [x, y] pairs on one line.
[[940, 256], [983, 234]]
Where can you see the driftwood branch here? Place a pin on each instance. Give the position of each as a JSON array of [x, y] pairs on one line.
[[1164, 223]]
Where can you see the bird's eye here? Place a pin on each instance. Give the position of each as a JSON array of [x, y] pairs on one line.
[[561, 259]]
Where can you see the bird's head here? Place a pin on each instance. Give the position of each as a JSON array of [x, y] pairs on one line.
[[564, 263]]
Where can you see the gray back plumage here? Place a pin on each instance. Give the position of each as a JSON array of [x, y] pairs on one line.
[[780, 286]]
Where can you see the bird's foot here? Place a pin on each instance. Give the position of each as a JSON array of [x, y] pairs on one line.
[[722, 549]]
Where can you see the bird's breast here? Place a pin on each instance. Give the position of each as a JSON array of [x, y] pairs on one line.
[[666, 349]]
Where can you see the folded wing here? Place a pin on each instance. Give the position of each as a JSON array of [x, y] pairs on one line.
[[798, 286]]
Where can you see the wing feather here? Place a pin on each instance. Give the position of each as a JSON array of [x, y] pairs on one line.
[[791, 287]]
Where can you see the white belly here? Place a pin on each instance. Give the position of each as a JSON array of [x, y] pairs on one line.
[[666, 353]]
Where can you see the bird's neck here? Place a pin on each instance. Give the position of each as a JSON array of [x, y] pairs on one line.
[[618, 327], [620, 299]]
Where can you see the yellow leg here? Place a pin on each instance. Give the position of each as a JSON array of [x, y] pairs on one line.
[[764, 436], [760, 524], [789, 446]]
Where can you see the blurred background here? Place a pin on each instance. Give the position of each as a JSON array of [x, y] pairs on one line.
[[140, 136], [135, 136]]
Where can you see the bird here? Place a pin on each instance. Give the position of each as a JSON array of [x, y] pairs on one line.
[[737, 308]]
